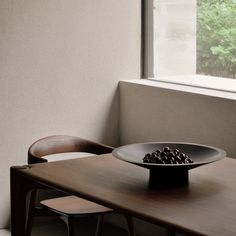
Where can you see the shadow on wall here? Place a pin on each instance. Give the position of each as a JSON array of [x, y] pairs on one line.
[[111, 132]]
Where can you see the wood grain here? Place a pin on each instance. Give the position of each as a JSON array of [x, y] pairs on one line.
[[206, 206]]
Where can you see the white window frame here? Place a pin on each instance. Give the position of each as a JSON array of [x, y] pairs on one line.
[[194, 80]]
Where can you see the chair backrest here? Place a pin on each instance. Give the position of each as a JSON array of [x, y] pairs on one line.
[[63, 144]]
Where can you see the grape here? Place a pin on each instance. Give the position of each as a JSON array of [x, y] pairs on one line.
[[167, 156]]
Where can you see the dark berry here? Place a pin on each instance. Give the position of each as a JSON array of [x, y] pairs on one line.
[[166, 149], [163, 154], [176, 152], [158, 151], [182, 156], [188, 160], [167, 156], [171, 154]]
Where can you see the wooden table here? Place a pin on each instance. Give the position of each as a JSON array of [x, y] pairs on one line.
[[206, 206]]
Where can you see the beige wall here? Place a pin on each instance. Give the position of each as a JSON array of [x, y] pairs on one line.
[[60, 63], [157, 114]]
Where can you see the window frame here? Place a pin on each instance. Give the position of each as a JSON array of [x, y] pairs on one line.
[[194, 80]]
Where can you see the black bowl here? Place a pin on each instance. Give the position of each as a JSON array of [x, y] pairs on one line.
[[164, 174]]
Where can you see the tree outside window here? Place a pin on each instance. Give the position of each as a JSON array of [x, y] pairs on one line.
[[216, 38]]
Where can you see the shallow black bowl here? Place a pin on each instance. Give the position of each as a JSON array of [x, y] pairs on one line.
[[165, 173]]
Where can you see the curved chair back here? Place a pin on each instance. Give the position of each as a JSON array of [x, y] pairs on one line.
[[63, 144]]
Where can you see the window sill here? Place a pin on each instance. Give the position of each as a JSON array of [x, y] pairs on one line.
[[184, 88]]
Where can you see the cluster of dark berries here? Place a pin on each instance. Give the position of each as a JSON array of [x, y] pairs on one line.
[[167, 156]]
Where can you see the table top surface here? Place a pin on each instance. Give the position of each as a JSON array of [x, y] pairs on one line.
[[206, 206]]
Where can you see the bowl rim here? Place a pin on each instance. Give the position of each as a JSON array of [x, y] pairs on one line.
[[221, 154]]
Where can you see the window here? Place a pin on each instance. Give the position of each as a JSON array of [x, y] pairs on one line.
[[191, 41]]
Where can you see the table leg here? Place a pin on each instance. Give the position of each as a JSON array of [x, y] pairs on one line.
[[20, 188], [30, 212]]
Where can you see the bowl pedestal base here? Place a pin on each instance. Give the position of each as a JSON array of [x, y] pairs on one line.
[[173, 178]]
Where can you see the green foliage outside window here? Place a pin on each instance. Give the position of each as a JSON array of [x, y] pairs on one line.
[[216, 38]]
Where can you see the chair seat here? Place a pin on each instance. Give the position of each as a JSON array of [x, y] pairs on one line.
[[67, 156], [60, 147], [72, 205]]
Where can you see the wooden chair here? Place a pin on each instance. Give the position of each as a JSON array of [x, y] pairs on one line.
[[67, 207]]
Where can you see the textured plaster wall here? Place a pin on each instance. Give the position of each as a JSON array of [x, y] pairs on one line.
[[158, 114], [60, 63]]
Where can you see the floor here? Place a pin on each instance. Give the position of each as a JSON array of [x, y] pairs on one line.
[[85, 227], [5, 232]]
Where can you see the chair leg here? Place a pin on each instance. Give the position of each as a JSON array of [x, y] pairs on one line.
[[130, 224], [170, 233], [70, 225], [100, 222]]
